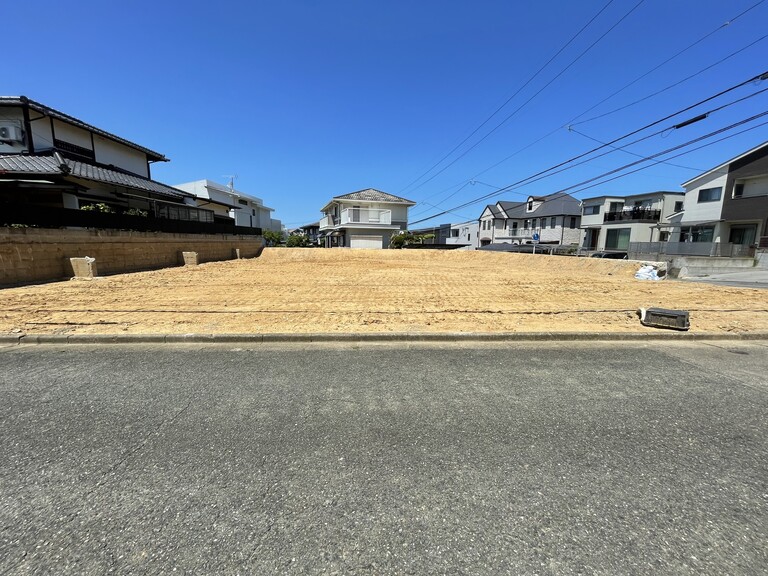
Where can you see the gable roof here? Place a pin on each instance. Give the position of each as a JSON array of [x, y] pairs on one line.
[[48, 111], [50, 166], [373, 195], [556, 204], [725, 164]]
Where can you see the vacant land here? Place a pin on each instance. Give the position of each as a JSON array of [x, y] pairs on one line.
[[302, 290]]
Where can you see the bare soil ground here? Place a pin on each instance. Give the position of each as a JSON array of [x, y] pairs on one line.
[[304, 290]]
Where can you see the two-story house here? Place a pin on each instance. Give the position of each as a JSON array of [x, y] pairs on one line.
[[727, 204], [52, 165], [363, 219], [246, 210], [612, 222], [552, 219]]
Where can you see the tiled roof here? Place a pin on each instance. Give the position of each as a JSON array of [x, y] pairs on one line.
[[373, 195], [43, 109], [48, 165]]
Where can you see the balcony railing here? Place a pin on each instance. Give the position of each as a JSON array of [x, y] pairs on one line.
[[713, 249], [633, 214], [328, 221], [366, 216]]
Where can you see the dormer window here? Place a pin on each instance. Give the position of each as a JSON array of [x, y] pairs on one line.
[[530, 205]]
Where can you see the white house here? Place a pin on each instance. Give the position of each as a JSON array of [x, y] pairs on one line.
[[464, 233], [363, 219], [552, 219], [727, 204], [247, 210], [612, 222]]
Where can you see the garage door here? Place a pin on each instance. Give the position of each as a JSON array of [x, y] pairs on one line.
[[366, 242]]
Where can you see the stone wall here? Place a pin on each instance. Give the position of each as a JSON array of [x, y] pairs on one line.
[[30, 255]]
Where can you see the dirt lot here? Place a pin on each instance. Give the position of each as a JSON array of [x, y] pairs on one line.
[[302, 290]]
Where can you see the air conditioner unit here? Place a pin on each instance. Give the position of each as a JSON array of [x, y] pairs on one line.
[[11, 132]]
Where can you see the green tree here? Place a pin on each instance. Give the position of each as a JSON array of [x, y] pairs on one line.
[[297, 241], [273, 238]]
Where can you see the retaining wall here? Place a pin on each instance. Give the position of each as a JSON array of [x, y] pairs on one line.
[[29, 255], [685, 266]]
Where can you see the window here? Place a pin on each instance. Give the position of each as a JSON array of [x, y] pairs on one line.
[[526, 224], [738, 190], [243, 202], [553, 222], [530, 205], [535, 223], [616, 207], [253, 211], [664, 237], [697, 234], [617, 239], [514, 226], [455, 233], [709, 194], [679, 206], [589, 210], [573, 222]]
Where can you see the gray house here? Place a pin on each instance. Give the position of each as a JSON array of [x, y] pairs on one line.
[[552, 219]]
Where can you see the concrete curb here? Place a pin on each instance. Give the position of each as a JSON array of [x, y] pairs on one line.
[[407, 337]]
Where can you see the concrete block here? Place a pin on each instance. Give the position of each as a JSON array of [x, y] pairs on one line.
[[189, 258], [83, 267]]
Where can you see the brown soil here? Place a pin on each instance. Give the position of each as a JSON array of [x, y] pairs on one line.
[[303, 290]]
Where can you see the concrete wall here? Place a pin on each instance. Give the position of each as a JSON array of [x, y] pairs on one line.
[[30, 255], [686, 266]]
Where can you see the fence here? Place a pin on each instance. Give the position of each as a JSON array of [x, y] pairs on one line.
[[49, 217], [651, 250]]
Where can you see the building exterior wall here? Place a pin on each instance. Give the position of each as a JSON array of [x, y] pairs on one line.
[[111, 152], [752, 207], [30, 255], [696, 211], [466, 234]]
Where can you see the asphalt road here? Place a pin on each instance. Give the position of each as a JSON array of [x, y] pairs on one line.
[[537, 458]]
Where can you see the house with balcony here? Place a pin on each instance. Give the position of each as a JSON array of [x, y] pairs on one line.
[[552, 219], [727, 205], [363, 219], [58, 171], [612, 222], [246, 210]]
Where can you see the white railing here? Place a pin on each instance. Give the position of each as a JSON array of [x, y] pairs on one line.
[[714, 249], [326, 222], [366, 216]]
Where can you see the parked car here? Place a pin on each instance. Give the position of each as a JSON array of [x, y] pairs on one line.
[[613, 255]]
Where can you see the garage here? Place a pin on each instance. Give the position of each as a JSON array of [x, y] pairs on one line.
[[369, 242]]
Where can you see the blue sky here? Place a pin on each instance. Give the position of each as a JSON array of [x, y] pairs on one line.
[[305, 100]]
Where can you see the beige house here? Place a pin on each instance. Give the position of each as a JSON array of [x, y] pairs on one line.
[[363, 219]]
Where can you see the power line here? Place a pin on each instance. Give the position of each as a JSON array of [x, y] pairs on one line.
[[644, 159], [758, 77], [557, 129], [755, 127], [527, 82], [524, 104], [668, 87], [668, 60]]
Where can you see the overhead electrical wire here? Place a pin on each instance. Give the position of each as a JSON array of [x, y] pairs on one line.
[[508, 100], [759, 77], [572, 121], [668, 60], [564, 191], [524, 104]]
